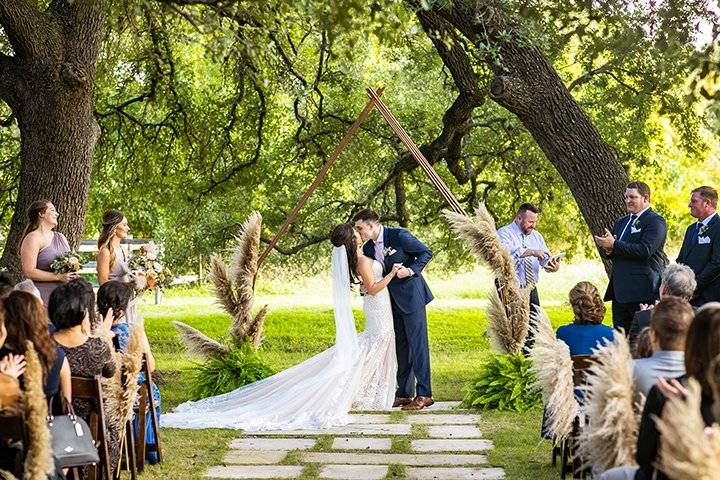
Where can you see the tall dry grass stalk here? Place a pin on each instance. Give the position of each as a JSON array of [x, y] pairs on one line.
[[508, 313], [39, 462], [609, 438], [197, 342], [552, 366], [234, 290], [688, 449], [120, 391]]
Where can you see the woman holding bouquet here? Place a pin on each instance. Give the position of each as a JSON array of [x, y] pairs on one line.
[[112, 261], [40, 247]]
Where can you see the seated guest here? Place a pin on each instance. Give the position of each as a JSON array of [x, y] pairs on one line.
[[6, 285], [26, 320], [587, 331], [11, 368], [28, 286], [643, 344], [88, 300], [669, 324], [677, 281], [114, 297], [702, 345], [88, 356]]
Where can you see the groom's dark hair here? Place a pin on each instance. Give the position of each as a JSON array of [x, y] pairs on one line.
[[366, 215]]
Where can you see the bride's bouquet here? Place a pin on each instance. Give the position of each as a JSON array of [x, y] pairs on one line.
[[147, 269], [68, 262]]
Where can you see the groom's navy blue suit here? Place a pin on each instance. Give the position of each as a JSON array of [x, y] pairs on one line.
[[408, 296]]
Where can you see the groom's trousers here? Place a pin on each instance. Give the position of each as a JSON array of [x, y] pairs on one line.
[[412, 350]]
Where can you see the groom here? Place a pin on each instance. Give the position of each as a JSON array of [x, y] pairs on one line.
[[408, 294]]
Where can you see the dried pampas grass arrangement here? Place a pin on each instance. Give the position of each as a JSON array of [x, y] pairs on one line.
[[609, 438], [553, 369], [688, 449], [508, 313], [39, 462], [234, 290], [197, 342]]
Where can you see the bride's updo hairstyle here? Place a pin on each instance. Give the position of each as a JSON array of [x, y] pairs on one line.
[[344, 234]]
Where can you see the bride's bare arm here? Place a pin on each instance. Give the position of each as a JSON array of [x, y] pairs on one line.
[[366, 274]]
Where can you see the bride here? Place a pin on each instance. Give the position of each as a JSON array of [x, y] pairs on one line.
[[357, 373]]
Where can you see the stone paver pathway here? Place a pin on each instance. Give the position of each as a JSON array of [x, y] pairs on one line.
[[438, 443]]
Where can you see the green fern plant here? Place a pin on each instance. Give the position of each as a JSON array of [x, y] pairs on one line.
[[504, 383], [240, 365]]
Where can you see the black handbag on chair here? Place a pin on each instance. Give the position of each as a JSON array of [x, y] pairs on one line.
[[72, 442]]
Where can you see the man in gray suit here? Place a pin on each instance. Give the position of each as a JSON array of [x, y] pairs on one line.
[[669, 324], [677, 281]]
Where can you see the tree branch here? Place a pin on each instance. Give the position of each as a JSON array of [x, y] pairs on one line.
[[27, 29]]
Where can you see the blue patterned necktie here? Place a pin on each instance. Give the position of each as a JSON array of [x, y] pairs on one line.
[[528, 266]]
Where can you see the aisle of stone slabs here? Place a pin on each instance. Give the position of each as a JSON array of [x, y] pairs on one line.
[[441, 442]]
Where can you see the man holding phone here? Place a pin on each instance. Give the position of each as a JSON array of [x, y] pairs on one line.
[[527, 247]]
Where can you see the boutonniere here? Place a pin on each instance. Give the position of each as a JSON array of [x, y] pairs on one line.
[[636, 224], [703, 229], [387, 251]]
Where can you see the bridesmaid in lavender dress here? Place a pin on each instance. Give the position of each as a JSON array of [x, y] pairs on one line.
[[112, 261], [40, 246]]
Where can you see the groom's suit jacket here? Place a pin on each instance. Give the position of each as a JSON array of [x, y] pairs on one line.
[[704, 259], [412, 293], [637, 259]]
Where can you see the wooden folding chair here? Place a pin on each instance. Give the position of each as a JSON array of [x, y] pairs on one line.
[[146, 402], [570, 462], [91, 389], [13, 430]]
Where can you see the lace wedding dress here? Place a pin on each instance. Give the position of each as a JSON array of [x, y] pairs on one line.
[[357, 373]]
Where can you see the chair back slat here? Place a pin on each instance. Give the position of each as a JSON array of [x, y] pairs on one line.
[[581, 363], [91, 389]]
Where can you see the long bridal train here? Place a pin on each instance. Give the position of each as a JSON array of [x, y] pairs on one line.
[[357, 373]]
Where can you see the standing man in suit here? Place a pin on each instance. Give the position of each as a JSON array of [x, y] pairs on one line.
[[409, 293], [701, 247], [635, 247]]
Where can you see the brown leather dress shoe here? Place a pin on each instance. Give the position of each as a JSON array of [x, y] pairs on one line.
[[419, 403], [401, 401]]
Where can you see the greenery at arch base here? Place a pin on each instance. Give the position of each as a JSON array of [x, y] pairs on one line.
[[504, 383]]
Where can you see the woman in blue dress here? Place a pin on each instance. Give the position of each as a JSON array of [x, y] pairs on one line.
[[116, 295]]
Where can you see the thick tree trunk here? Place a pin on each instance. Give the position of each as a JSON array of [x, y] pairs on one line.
[[526, 84], [49, 85]]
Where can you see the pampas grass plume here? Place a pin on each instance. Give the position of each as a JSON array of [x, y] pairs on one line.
[[39, 462], [610, 437], [688, 449], [553, 369]]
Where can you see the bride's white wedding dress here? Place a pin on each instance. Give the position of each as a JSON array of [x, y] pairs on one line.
[[357, 373]]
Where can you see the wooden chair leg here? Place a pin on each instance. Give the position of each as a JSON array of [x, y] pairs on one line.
[[142, 428], [130, 456], [155, 425], [564, 458]]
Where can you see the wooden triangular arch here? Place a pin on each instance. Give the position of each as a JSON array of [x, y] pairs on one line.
[[374, 102]]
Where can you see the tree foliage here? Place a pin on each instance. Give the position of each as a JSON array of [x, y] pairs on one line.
[[211, 109]]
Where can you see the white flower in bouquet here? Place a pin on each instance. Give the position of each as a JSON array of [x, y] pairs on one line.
[[151, 250], [139, 280], [157, 266], [73, 261]]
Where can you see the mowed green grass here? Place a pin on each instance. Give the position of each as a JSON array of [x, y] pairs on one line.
[[298, 327]]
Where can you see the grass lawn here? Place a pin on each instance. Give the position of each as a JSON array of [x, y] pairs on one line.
[[299, 326]]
